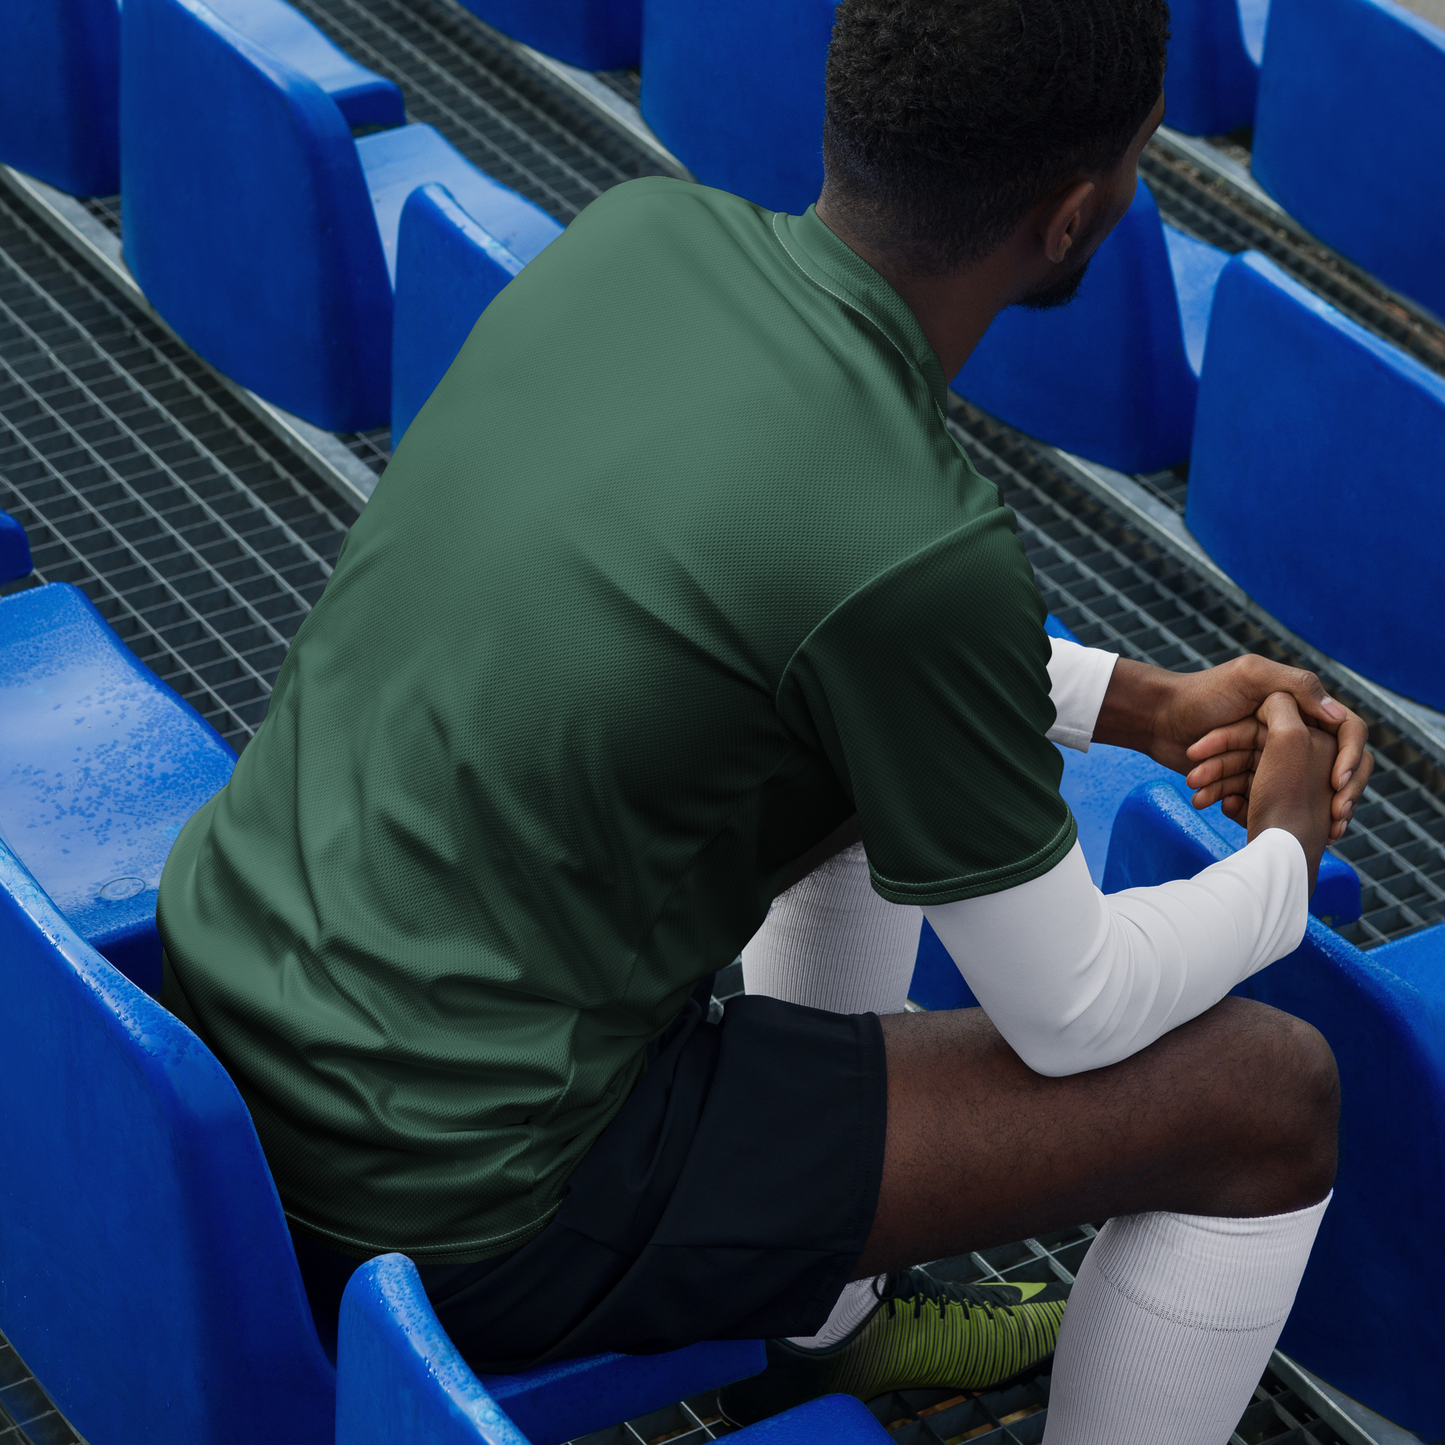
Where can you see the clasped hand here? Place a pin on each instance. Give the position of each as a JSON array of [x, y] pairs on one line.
[[1214, 726]]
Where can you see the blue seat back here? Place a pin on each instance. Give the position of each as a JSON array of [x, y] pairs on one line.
[[1349, 131], [364, 98], [1383, 1014], [146, 1273], [399, 1378], [736, 93], [247, 217], [593, 34], [14, 550], [449, 267], [59, 103], [1109, 375], [100, 766], [1212, 75], [1314, 480]]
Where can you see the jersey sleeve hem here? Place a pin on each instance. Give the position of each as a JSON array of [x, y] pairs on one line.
[[991, 880]]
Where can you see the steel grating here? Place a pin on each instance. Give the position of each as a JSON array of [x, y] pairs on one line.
[[1117, 590], [502, 115], [139, 478], [27, 1416]]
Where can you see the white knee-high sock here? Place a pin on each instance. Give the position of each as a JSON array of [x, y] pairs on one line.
[[858, 1300], [1170, 1325], [832, 943]]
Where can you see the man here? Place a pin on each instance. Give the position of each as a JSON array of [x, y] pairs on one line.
[[677, 572]]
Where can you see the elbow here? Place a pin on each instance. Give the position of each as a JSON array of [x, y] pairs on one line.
[[1056, 1056], [1058, 1053]]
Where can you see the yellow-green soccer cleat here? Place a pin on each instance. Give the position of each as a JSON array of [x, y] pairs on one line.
[[925, 1333]]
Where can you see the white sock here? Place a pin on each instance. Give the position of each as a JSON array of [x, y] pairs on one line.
[[831, 942], [855, 1304], [1170, 1325]]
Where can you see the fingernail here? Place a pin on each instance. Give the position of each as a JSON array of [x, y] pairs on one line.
[[1347, 812], [1332, 709], [1344, 780]]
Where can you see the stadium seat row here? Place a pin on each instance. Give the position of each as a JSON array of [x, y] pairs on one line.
[[266, 177], [143, 1254], [293, 229]]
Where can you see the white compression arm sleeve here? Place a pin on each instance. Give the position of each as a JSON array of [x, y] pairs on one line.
[[1076, 979], [1078, 679]]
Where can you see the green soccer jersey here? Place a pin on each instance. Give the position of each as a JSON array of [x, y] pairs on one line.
[[678, 568]]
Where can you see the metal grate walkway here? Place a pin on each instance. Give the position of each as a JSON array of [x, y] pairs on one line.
[[201, 539]]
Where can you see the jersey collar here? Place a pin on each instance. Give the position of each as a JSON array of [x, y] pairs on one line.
[[842, 272]]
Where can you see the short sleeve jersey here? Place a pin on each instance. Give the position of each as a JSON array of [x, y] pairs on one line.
[[678, 568]]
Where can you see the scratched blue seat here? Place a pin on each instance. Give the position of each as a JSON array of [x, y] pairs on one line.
[[259, 227], [1349, 130], [593, 34], [1114, 375], [736, 93], [1095, 785], [100, 765], [1314, 480], [1383, 1014], [448, 269], [400, 1379], [59, 100], [146, 1272], [1215, 50]]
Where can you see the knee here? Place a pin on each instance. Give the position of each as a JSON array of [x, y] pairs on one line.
[[1289, 1091]]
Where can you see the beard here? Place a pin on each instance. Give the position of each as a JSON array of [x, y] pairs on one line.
[[1050, 298]]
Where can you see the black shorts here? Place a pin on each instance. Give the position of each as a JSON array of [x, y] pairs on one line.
[[730, 1198]]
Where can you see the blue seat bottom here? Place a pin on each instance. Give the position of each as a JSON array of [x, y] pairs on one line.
[[396, 162], [100, 766], [554, 1403]]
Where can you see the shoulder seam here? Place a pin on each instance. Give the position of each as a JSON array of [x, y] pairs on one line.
[[863, 586]]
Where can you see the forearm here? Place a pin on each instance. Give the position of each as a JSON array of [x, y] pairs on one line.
[[1075, 979], [1135, 706]]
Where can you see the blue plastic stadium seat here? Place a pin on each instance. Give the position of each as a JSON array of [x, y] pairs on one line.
[[258, 227], [594, 34], [1114, 375], [400, 1379], [1094, 785], [1314, 480], [100, 765], [1358, 1320], [736, 93], [448, 269], [59, 102], [14, 550], [1349, 130], [1215, 50], [146, 1272]]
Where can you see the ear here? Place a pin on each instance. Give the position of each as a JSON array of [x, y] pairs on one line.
[[1065, 222]]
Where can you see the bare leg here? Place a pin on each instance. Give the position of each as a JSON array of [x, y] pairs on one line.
[[1211, 1152], [1233, 1114]]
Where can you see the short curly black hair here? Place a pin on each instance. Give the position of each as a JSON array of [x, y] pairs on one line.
[[948, 119]]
